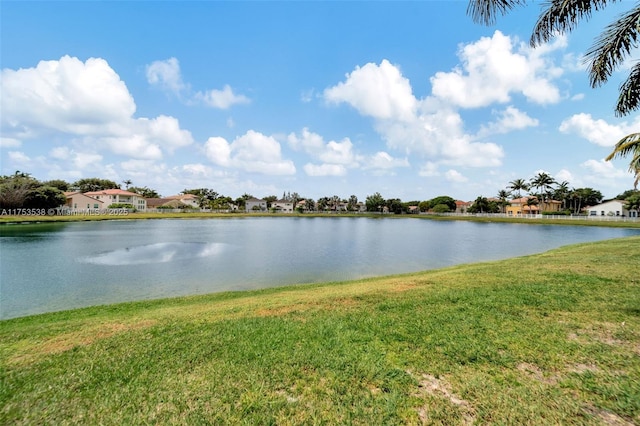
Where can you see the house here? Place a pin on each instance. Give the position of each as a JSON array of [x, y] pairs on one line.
[[529, 205], [462, 206], [78, 200], [612, 208], [282, 206], [255, 205], [119, 196], [190, 200]]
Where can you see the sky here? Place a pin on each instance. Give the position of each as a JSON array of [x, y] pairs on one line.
[[409, 99]]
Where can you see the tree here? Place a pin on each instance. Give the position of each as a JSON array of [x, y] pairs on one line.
[[144, 191], [374, 202], [483, 205], [443, 199], [127, 183], [610, 50], [241, 201], [58, 183], [44, 197], [14, 189], [352, 204], [270, 199], [503, 194], [583, 197], [544, 182], [561, 193], [518, 185], [629, 145], [633, 202], [205, 196], [94, 184]]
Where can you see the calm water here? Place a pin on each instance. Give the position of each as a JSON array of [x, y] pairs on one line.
[[50, 267]]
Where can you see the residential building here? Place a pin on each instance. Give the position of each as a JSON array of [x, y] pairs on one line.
[[119, 196], [529, 205], [255, 205], [612, 208], [463, 206], [282, 206], [190, 200], [78, 200]]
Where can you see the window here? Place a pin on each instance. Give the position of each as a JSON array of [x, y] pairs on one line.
[[593, 212]]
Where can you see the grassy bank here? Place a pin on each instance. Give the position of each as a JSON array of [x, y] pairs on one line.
[[542, 220], [552, 338]]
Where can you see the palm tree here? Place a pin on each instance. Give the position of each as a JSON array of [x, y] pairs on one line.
[[503, 194], [561, 193], [518, 185], [127, 183], [629, 145], [610, 50], [544, 182]]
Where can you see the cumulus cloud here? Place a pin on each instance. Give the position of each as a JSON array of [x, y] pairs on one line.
[[493, 68], [221, 99], [87, 101], [427, 127], [379, 91], [455, 176], [382, 160], [598, 131], [167, 76], [252, 152], [509, 119], [604, 169], [328, 152]]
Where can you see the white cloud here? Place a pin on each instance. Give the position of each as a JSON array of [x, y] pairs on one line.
[[427, 127], [511, 118], [382, 160], [9, 143], [598, 131], [221, 99], [85, 100], [379, 91], [166, 74], [252, 152], [429, 169], [604, 169], [495, 67], [332, 152], [19, 157], [325, 169], [455, 176]]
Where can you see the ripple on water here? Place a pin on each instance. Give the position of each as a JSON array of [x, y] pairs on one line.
[[155, 253]]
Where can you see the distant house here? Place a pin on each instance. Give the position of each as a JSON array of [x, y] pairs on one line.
[[190, 200], [119, 196], [255, 205], [282, 206], [78, 200], [462, 206], [611, 208], [529, 205]]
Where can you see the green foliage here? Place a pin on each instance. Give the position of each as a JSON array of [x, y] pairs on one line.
[[144, 191], [44, 197], [62, 185], [94, 184], [120, 206], [20, 190], [375, 202], [441, 208], [443, 199]]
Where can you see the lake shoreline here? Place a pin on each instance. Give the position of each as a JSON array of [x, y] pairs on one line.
[[554, 334]]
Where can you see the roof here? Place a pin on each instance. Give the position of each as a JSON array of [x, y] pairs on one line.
[[113, 192], [182, 197]]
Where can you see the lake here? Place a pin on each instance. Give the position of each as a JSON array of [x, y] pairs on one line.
[[56, 266]]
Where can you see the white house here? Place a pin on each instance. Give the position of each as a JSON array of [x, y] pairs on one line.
[[611, 208], [255, 205], [119, 196], [187, 199], [282, 206]]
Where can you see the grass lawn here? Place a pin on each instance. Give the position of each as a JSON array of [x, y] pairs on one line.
[[552, 338]]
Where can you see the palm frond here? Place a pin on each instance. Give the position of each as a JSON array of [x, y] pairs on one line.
[[629, 98], [486, 11], [610, 49], [628, 145], [561, 16]]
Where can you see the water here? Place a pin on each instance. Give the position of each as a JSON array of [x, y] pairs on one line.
[[50, 267]]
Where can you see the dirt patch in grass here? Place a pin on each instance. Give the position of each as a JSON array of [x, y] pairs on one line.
[[607, 417], [438, 387], [534, 372]]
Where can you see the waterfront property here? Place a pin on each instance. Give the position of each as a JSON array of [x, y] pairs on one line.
[[531, 206], [119, 196], [612, 208], [78, 200]]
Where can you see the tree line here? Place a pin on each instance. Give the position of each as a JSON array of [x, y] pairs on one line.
[[21, 190]]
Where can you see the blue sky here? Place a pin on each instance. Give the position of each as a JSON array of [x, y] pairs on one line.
[[409, 99]]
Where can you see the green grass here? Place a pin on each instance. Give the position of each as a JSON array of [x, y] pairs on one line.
[[552, 338]]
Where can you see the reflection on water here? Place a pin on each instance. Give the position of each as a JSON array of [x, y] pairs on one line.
[[155, 253]]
